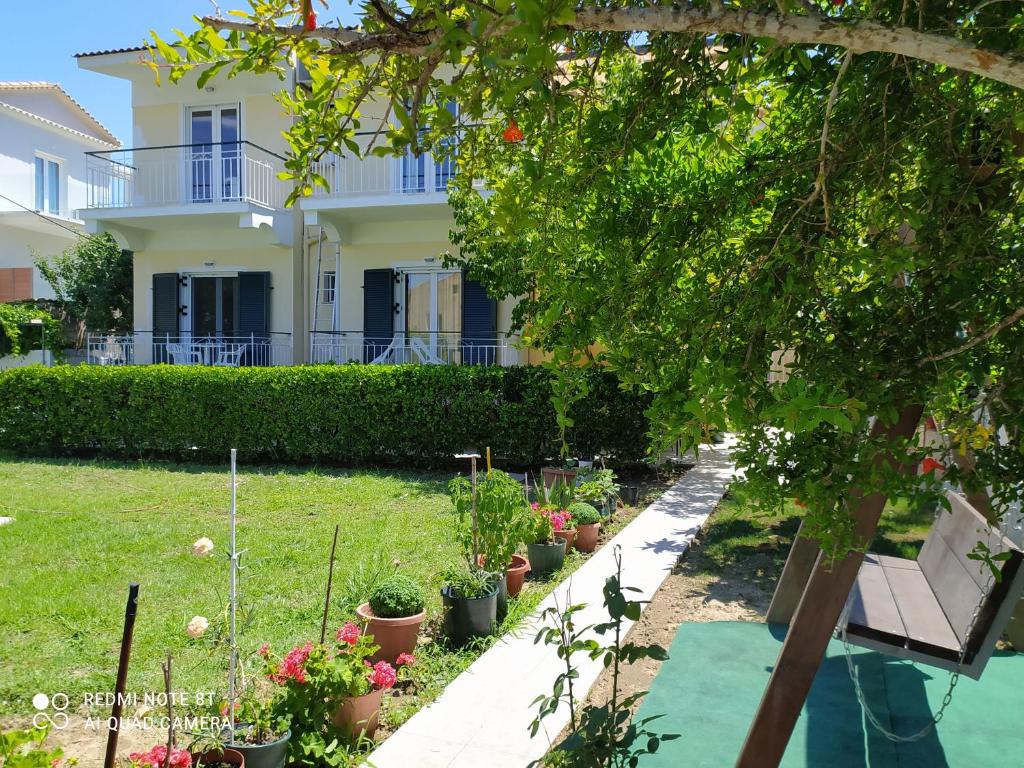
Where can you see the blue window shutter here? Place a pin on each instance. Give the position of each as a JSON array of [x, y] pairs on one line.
[[378, 311], [254, 304], [479, 324]]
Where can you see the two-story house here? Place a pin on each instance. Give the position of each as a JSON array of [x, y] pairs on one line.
[[44, 135], [226, 274]]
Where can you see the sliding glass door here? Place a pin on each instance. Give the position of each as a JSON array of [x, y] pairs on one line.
[[214, 156]]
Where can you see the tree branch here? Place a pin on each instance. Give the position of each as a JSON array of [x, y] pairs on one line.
[[1006, 322], [857, 36]]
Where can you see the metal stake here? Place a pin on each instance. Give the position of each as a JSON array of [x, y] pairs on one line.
[[232, 604]]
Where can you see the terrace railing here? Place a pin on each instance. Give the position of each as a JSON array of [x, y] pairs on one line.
[[226, 350], [185, 174], [437, 348]]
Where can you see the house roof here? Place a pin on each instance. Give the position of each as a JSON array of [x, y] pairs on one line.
[[100, 131], [131, 49]]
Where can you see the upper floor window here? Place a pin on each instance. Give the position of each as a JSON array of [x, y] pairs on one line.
[[328, 285], [48, 180]]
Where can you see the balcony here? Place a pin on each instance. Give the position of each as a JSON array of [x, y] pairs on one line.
[[131, 190], [230, 350]]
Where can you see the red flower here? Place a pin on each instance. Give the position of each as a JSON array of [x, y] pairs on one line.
[[180, 758], [292, 665], [264, 650], [311, 21], [348, 634], [930, 465], [405, 660], [383, 675], [512, 134]]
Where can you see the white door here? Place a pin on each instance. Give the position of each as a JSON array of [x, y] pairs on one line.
[[433, 316], [214, 154]]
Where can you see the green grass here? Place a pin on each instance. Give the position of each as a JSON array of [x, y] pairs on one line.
[[83, 531], [739, 532]]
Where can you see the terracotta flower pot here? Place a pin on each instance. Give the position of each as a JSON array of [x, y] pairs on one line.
[[217, 757], [554, 475], [586, 537], [516, 573], [568, 535], [394, 636], [359, 714]]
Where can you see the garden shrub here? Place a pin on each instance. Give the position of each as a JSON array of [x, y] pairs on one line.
[[17, 337], [344, 414], [397, 597], [584, 514]]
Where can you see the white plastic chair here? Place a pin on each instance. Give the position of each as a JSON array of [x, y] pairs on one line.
[[182, 355], [230, 356]]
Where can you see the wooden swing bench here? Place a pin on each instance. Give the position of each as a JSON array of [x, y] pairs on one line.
[[923, 610]]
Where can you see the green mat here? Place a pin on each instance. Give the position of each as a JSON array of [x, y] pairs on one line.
[[709, 690]]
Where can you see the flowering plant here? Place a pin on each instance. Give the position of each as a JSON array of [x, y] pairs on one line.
[[313, 679], [157, 756], [547, 520]]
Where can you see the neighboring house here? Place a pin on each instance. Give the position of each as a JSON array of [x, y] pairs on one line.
[[44, 135], [225, 274]]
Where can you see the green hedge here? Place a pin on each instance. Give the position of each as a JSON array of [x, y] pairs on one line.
[[346, 414]]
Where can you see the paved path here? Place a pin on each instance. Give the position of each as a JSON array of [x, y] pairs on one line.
[[483, 716]]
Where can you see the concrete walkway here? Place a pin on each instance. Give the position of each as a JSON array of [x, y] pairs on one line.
[[483, 716]]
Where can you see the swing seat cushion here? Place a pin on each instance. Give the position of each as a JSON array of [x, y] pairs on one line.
[[893, 603]]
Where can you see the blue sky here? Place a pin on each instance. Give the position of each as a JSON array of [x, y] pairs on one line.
[[44, 35]]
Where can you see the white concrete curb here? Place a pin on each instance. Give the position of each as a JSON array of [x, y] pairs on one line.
[[483, 716]]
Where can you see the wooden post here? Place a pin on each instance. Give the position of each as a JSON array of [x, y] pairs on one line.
[[803, 556], [816, 616], [110, 756]]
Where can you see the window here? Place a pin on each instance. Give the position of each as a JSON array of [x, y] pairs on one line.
[[48, 185], [328, 285]]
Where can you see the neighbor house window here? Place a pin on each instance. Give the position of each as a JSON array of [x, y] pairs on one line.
[[328, 285], [48, 185]]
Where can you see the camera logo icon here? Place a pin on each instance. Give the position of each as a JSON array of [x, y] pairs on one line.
[[43, 718]]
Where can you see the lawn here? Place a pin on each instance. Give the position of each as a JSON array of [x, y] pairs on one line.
[[83, 531]]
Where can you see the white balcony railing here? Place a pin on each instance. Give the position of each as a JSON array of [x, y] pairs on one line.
[[349, 176], [187, 174], [230, 350], [430, 348]]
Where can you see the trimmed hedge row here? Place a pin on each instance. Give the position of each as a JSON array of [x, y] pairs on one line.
[[346, 414]]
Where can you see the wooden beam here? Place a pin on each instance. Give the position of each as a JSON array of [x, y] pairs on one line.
[[815, 619], [803, 556]]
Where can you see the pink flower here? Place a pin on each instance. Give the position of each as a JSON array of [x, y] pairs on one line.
[[291, 667], [405, 660], [264, 650], [348, 634], [534, 505], [383, 675], [180, 758]]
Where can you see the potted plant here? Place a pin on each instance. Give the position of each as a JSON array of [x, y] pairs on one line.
[[210, 751], [565, 527], [545, 550], [588, 525], [393, 616], [564, 475], [470, 600], [261, 735], [330, 693], [157, 757], [502, 517], [599, 489]]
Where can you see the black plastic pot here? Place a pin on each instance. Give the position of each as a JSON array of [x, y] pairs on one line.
[[545, 558], [270, 755], [630, 495], [501, 607], [466, 618]]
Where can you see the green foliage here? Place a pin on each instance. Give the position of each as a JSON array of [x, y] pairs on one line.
[[601, 734], [18, 336], [583, 513], [408, 415], [502, 516], [468, 583], [94, 280], [24, 749], [355, 583], [596, 486], [397, 597]]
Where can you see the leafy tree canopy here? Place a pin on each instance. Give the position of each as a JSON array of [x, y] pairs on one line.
[[93, 279], [839, 182]]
